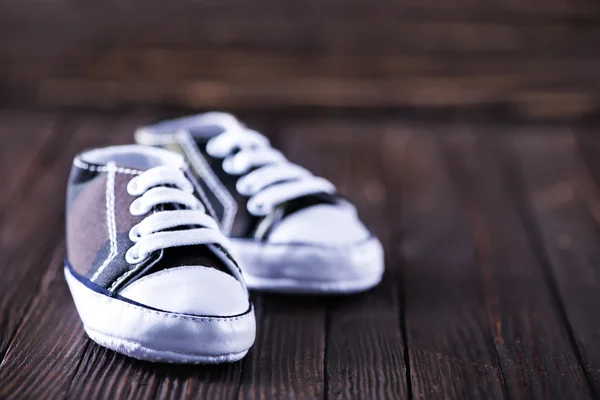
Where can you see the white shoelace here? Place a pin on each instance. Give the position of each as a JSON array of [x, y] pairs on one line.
[[274, 179], [153, 233]]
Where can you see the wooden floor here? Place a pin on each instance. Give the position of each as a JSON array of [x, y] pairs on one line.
[[492, 287]]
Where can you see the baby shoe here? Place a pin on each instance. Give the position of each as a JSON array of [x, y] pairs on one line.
[[150, 272], [289, 228]]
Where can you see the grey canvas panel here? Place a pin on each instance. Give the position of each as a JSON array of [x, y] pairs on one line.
[[87, 229], [91, 245]]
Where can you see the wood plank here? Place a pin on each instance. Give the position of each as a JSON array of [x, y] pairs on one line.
[[515, 96], [448, 325], [534, 85], [522, 303], [556, 186], [304, 11], [331, 27], [287, 358], [24, 244], [48, 346], [23, 135], [106, 374], [365, 351], [188, 63], [357, 35]]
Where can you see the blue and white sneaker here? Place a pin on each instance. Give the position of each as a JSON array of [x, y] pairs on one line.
[[289, 228], [150, 272]]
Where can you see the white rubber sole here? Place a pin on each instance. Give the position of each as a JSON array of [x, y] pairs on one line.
[[281, 285], [305, 269], [158, 336], [142, 352]]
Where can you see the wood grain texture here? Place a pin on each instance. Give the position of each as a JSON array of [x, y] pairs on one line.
[[449, 331], [287, 359], [560, 190], [26, 247], [23, 135], [104, 374], [49, 344], [522, 312]]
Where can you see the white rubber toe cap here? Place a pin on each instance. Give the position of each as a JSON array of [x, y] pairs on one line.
[[194, 290], [322, 224], [153, 335]]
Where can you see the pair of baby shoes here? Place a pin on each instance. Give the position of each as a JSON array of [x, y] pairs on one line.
[[164, 239]]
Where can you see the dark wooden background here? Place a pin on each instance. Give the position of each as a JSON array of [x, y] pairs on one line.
[[533, 59], [465, 131]]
